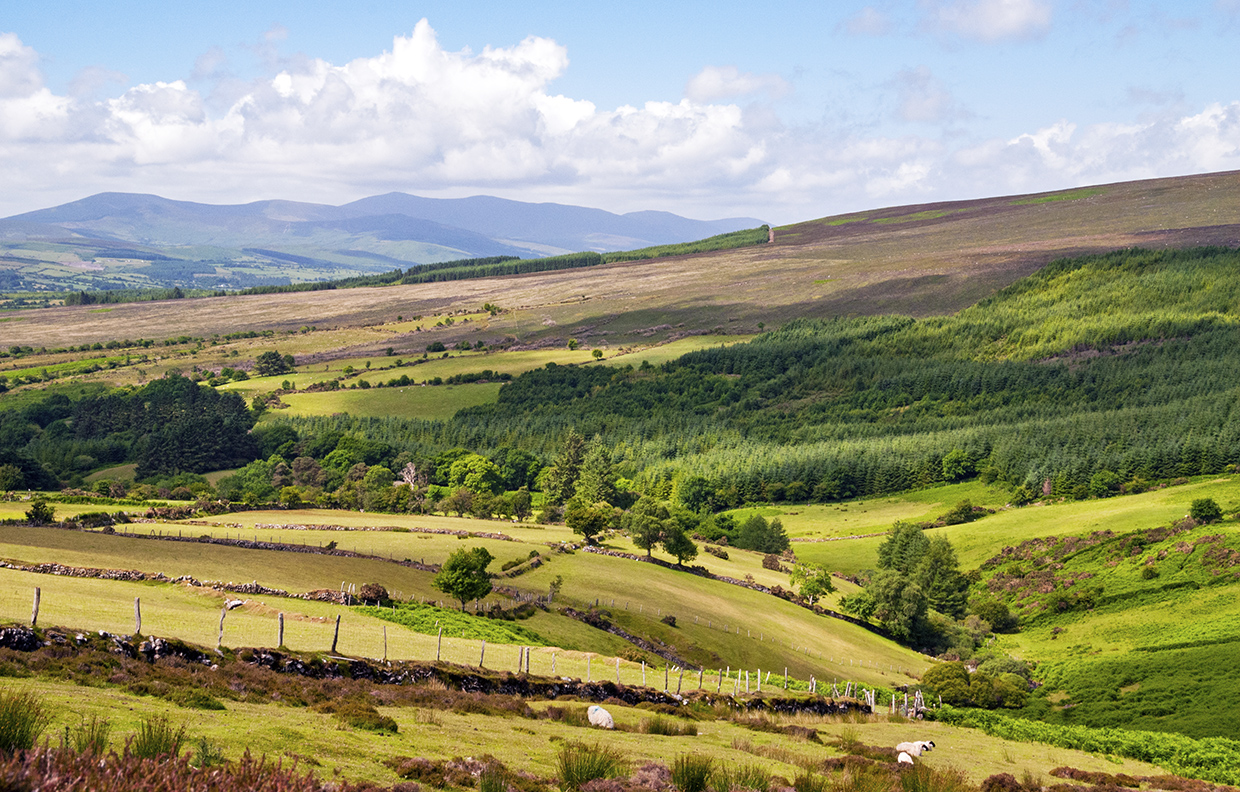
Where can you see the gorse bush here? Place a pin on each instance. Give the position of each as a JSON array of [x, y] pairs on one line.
[[156, 737], [578, 764], [691, 772], [23, 717]]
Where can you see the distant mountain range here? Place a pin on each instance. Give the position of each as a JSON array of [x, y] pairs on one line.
[[119, 240]]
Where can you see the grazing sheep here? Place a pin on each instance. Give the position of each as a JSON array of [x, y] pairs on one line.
[[600, 717], [904, 759], [916, 748]]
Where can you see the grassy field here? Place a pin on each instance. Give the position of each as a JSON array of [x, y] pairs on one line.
[[977, 541], [434, 402], [718, 624], [293, 733]]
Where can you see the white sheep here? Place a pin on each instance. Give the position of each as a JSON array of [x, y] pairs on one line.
[[915, 748], [905, 759], [600, 717]]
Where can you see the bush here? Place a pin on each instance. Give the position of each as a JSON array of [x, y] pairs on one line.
[[23, 717], [771, 561], [579, 764], [691, 772], [358, 714], [1205, 510], [155, 738]]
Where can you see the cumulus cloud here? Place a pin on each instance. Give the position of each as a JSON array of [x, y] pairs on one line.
[[728, 82], [992, 20], [19, 67], [423, 119]]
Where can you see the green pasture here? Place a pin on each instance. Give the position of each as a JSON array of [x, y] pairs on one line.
[[114, 473], [413, 401], [295, 734], [514, 362], [977, 541], [718, 624], [873, 515]]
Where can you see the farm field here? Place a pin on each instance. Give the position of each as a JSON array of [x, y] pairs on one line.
[[977, 541], [717, 624]]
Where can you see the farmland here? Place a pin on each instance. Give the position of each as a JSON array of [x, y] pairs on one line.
[[880, 446]]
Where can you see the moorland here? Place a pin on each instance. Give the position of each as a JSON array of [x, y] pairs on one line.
[[962, 472]]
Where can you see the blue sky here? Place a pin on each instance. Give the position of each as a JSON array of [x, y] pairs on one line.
[[782, 111]]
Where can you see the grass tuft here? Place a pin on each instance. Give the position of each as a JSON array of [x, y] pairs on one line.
[[155, 738], [23, 717], [691, 772], [740, 778], [89, 736], [579, 764]]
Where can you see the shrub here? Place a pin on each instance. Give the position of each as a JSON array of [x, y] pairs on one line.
[[669, 620], [89, 736], [155, 738], [23, 717], [358, 714], [771, 561], [1205, 510], [578, 764], [691, 772]]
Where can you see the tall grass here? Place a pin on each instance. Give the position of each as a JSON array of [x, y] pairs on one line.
[[691, 772], [669, 727], [740, 778], [23, 717], [578, 764], [156, 737], [89, 736]]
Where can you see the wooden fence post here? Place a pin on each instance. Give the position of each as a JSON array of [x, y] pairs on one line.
[[643, 673], [587, 668], [219, 642], [34, 614], [701, 672], [785, 677], [666, 671], [680, 681], [385, 643], [137, 616], [336, 634], [617, 670], [439, 645], [280, 631], [553, 664], [482, 657]]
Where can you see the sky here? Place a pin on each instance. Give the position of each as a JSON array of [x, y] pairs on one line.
[[782, 111]]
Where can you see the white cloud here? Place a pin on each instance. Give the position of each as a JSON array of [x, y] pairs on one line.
[[727, 82], [869, 21], [993, 20], [19, 67], [423, 119], [923, 98]]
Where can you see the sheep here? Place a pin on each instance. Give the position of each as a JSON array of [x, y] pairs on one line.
[[904, 759], [600, 717], [915, 748]]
